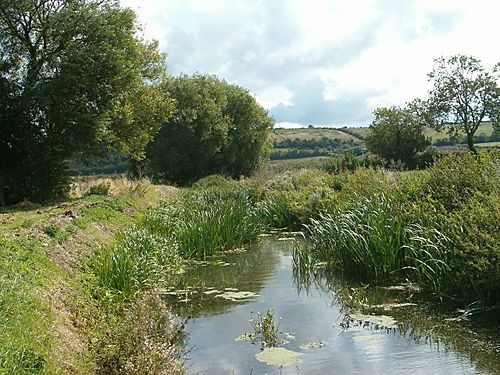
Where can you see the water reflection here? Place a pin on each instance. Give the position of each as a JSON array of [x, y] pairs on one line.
[[308, 309]]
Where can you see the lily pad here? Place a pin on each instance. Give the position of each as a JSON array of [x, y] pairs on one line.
[[236, 296], [384, 321], [390, 306], [245, 337], [278, 357], [211, 291], [313, 345], [363, 338]]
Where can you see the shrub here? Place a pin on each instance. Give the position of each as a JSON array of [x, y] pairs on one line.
[[146, 340], [454, 179], [476, 264], [215, 181], [99, 189]]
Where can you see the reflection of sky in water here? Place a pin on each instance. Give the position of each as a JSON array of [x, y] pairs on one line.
[[312, 316]]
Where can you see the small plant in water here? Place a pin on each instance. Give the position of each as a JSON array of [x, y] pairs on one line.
[[266, 329]]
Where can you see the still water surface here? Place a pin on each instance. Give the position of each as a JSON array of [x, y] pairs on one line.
[[312, 315]]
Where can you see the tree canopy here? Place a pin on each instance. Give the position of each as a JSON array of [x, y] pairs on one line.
[[464, 94], [216, 128], [75, 78], [396, 134]]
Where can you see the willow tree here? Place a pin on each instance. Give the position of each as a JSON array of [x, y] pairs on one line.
[[464, 94], [75, 79]]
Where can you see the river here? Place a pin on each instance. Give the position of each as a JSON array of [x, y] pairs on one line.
[[220, 296]]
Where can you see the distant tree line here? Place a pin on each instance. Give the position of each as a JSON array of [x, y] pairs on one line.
[[454, 139]]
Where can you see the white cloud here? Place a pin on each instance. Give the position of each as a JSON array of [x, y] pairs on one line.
[[317, 61]]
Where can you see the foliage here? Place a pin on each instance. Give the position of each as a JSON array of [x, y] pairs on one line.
[[48, 313], [455, 179], [266, 329], [476, 264], [195, 225], [137, 261], [217, 128], [437, 227], [396, 134], [215, 181], [304, 193], [23, 312], [146, 340], [373, 239], [464, 95], [74, 76]]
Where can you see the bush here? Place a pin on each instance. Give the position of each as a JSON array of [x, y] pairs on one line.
[[215, 181], [476, 264], [146, 340], [454, 179]]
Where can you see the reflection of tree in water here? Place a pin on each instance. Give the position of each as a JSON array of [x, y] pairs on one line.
[[240, 271], [474, 337]]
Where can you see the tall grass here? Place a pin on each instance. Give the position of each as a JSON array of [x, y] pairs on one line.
[[138, 260], [195, 225], [372, 239]]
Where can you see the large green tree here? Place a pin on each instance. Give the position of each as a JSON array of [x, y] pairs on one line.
[[216, 128], [75, 79], [396, 134], [464, 94]]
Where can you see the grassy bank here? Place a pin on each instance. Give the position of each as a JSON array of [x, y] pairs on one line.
[[50, 316]]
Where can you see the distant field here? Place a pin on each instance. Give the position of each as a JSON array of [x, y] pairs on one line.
[[488, 144], [358, 134], [280, 135], [484, 130]]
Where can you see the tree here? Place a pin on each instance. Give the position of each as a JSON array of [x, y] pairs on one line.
[[396, 134], [75, 79], [216, 128], [464, 95]]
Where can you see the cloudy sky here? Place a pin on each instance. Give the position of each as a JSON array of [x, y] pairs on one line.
[[321, 62]]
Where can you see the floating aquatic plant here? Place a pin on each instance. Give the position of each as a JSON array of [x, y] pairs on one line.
[[278, 357]]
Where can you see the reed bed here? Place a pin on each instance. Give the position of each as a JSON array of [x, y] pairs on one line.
[[195, 225], [372, 239]]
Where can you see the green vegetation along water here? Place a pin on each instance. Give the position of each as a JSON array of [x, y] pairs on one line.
[[221, 295]]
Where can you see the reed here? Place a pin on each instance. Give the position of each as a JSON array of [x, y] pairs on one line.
[[194, 225], [373, 239]]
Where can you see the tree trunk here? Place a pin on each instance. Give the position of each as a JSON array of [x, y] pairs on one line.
[[470, 142], [2, 196]]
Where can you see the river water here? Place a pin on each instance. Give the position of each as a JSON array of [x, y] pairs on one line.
[[220, 296]]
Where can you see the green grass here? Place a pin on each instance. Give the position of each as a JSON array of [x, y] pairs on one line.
[[195, 225], [46, 305], [437, 227], [25, 273], [373, 239]]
